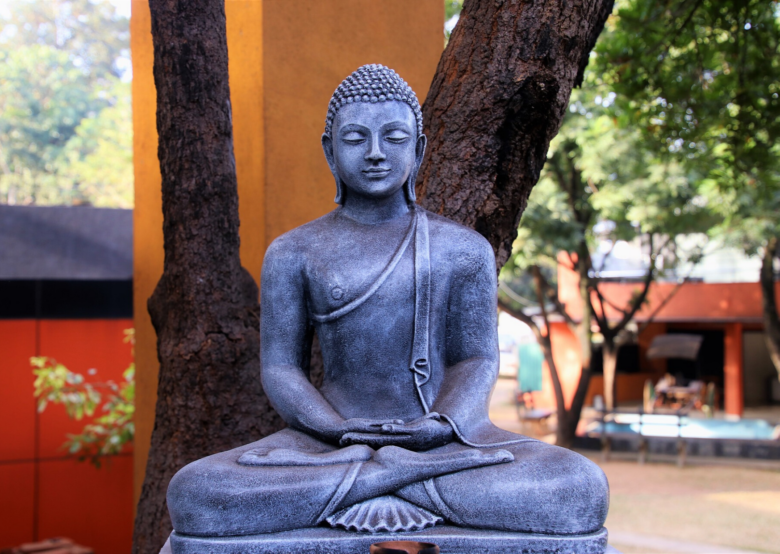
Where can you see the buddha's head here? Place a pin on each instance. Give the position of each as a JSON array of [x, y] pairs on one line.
[[373, 138]]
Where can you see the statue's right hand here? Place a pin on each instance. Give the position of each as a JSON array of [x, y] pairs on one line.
[[363, 425]]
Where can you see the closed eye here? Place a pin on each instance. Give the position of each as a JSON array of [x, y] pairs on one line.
[[396, 136], [353, 137]]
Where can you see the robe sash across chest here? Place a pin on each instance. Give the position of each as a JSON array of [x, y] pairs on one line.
[[419, 363]]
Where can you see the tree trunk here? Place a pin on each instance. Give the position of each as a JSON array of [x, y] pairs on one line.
[[769, 303], [205, 307], [609, 351], [497, 99], [583, 332], [568, 419], [563, 416], [545, 342], [569, 432]]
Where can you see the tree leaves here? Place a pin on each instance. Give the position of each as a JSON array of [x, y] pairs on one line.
[[108, 433], [700, 80], [65, 120]]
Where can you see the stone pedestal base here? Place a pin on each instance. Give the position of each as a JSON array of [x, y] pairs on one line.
[[452, 540]]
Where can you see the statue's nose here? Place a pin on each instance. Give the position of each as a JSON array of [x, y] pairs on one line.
[[375, 153]]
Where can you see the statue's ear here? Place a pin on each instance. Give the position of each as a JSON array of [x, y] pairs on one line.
[[327, 148], [419, 154]]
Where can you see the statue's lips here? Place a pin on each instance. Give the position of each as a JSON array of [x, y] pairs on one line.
[[376, 171]]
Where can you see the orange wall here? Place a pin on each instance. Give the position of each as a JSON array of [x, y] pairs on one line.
[[286, 59], [45, 493], [726, 306], [630, 386], [566, 352], [692, 302]]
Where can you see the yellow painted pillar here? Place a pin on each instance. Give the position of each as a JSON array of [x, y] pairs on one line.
[[286, 59]]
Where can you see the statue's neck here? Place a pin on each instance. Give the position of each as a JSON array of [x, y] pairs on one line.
[[371, 210]]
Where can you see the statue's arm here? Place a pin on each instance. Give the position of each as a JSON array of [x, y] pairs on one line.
[[471, 339], [283, 328]]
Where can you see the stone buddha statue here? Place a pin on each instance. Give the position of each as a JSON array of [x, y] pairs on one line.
[[397, 440]]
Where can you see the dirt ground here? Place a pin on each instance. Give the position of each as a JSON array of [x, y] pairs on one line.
[[711, 506], [708, 504]]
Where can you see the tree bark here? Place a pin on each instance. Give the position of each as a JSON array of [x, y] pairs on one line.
[[769, 303], [205, 307], [496, 101]]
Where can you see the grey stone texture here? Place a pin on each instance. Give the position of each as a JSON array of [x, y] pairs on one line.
[[451, 540], [397, 438], [520, 545]]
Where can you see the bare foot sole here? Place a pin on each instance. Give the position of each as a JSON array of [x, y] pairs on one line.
[[440, 463]]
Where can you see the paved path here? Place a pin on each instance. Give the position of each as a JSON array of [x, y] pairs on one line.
[[669, 546]]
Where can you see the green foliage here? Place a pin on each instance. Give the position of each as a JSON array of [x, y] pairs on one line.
[[452, 9], [99, 156], [55, 383], [65, 119], [602, 183], [700, 80], [93, 34], [106, 434]]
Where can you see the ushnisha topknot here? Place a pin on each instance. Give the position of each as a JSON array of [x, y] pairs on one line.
[[373, 83]]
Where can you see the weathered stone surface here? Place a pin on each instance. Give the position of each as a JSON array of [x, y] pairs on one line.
[[451, 540], [167, 549]]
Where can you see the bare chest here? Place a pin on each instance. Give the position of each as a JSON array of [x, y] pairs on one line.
[[361, 263]]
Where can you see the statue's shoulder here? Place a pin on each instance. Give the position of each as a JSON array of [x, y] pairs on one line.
[[457, 242], [293, 247]]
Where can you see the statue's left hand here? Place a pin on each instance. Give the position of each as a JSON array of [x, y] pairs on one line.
[[420, 434]]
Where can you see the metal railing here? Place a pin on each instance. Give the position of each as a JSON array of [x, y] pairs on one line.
[[643, 427]]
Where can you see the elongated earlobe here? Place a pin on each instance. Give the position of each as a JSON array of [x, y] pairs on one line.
[[327, 148], [339, 191], [419, 154]]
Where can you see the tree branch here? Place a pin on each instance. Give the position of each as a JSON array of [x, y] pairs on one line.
[[606, 257], [637, 303], [513, 295], [769, 304], [522, 316], [498, 97]]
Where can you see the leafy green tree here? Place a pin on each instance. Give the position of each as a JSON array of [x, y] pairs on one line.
[[92, 32], [65, 119], [98, 159], [700, 79], [601, 185], [108, 433]]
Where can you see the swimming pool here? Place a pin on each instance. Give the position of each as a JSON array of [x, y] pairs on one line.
[[662, 425]]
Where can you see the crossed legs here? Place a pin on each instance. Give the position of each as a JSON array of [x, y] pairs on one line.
[[545, 489]]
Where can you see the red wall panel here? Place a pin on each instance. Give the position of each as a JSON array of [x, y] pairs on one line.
[[17, 486], [17, 406], [93, 506]]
